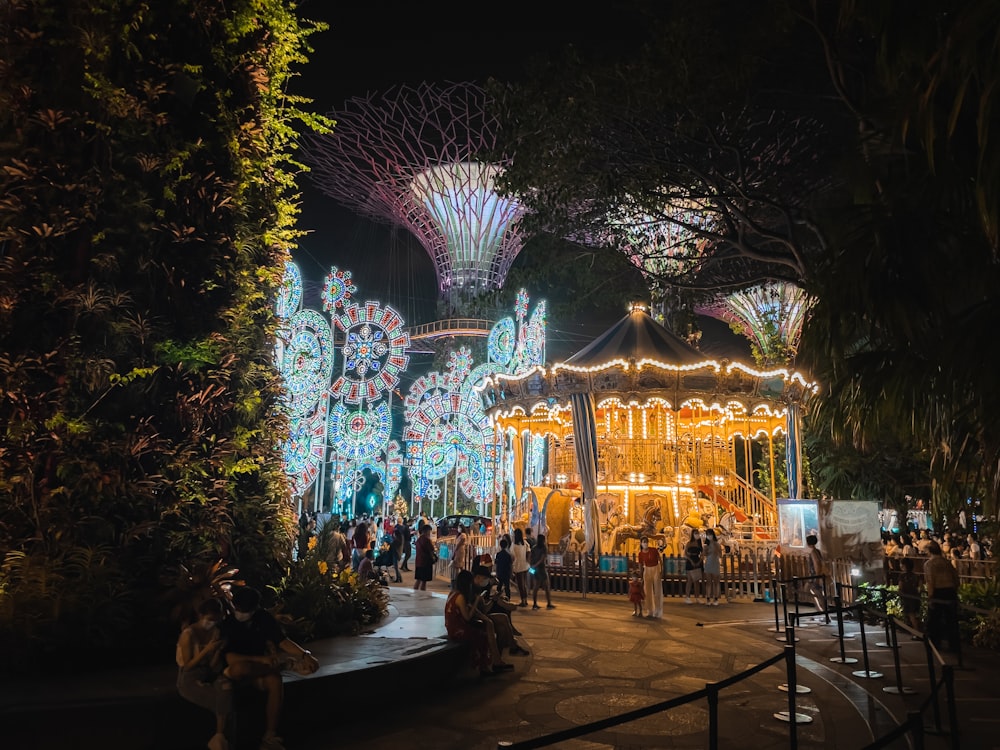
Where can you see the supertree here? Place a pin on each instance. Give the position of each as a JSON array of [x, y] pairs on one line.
[[770, 315], [414, 156]]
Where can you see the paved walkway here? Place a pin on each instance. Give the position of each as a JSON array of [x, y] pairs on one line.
[[401, 686]]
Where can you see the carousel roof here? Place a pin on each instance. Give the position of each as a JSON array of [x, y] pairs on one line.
[[636, 337]]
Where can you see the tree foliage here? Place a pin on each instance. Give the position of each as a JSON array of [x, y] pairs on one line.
[[147, 206], [847, 147]]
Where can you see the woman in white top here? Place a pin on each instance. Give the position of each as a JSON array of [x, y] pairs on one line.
[[519, 551]]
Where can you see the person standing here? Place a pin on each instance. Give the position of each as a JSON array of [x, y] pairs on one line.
[[693, 567], [424, 559], [538, 567], [909, 594], [407, 542], [941, 580], [504, 564], [519, 552], [529, 539], [360, 542], [651, 560], [459, 553], [636, 593], [713, 568], [397, 549], [337, 556], [817, 570]]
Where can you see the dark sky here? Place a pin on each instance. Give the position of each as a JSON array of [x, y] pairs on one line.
[[371, 47]]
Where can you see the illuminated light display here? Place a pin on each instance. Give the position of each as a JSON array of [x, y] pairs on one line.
[[501, 342], [307, 361], [290, 292], [358, 434], [412, 157], [303, 451], [665, 244], [770, 315], [337, 289], [374, 352]]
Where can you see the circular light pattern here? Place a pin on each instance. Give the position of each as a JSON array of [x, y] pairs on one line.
[[357, 434], [374, 352], [290, 292], [433, 492], [304, 449], [337, 289], [307, 360], [500, 344], [460, 362], [438, 461]]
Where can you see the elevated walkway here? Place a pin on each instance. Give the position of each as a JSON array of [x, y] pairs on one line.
[[450, 327]]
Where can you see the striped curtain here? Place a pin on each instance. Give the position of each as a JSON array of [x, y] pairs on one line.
[[585, 446], [793, 452]]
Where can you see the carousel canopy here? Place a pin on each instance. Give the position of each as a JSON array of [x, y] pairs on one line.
[[634, 338]]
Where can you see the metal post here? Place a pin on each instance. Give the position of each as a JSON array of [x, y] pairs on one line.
[[791, 716], [933, 678], [898, 689], [842, 659], [778, 625], [948, 674], [713, 716], [866, 672]]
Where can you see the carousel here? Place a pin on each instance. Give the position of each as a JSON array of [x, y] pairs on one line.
[[648, 437]]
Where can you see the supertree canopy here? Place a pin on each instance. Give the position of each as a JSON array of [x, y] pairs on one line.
[[770, 315], [414, 157]]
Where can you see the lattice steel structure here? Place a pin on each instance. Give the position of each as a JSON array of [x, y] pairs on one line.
[[770, 315], [415, 157]]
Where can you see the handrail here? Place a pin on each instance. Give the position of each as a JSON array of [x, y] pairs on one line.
[[450, 327]]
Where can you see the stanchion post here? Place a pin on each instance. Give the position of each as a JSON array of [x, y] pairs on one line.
[[916, 722], [793, 734], [778, 625], [948, 675], [796, 583], [866, 672], [894, 642], [713, 716], [932, 677], [843, 658]]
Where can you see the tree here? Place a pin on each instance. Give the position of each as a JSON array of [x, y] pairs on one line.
[[842, 146], [147, 209]]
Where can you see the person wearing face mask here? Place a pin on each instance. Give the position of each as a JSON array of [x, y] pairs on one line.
[[257, 651], [200, 665], [652, 578]]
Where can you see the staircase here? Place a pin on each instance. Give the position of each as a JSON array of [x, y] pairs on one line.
[[756, 516]]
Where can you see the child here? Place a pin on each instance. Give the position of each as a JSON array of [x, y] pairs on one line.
[[635, 594]]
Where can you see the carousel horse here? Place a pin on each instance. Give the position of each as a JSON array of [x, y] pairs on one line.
[[726, 534], [650, 520]]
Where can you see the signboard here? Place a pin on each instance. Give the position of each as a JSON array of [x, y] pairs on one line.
[[797, 519], [614, 564]]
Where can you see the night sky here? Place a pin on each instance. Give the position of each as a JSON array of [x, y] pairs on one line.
[[371, 47]]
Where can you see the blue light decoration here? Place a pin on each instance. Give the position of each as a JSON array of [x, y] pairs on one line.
[[337, 289], [374, 352], [446, 429], [358, 422], [501, 342], [359, 434], [304, 356]]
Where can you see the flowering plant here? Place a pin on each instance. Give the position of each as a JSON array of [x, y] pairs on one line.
[[318, 600]]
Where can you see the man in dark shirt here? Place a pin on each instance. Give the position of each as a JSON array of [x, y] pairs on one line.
[[257, 651]]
